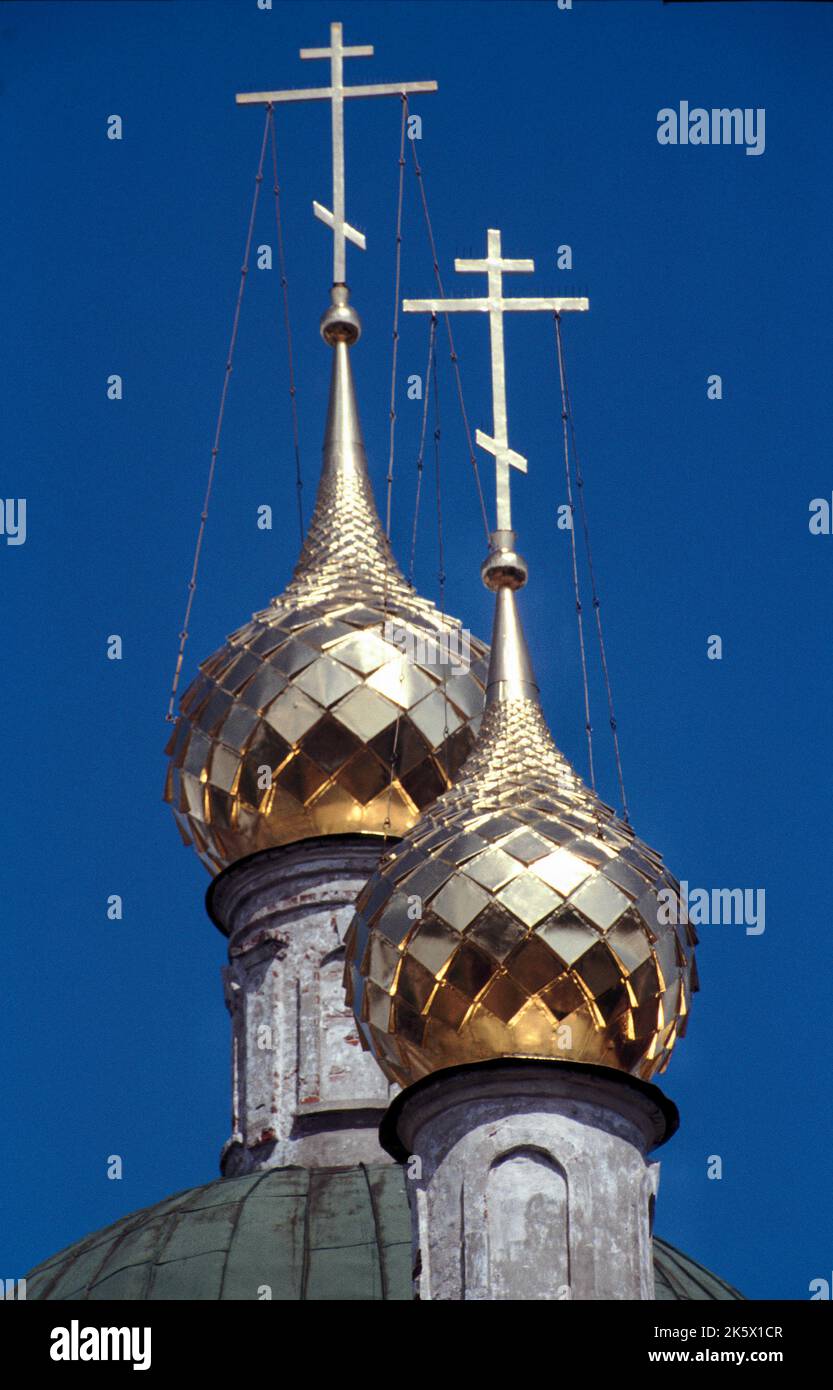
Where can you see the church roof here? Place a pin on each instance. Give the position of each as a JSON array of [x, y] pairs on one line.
[[308, 1234]]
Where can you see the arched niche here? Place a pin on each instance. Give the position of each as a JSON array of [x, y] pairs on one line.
[[528, 1226]]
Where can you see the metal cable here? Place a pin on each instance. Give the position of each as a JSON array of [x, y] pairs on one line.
[[285, 291], [444, 657], [576, 585], [437, 434], [192, 583], [397, 278], [595, 596], [426, 396]]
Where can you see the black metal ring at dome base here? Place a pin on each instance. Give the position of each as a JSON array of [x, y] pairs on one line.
[[388, 1129]]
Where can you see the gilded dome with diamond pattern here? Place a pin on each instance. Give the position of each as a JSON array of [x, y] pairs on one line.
[[521, 917], [347, 705]]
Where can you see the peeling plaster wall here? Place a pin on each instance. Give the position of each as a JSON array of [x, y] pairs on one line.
[[530, 1185], [303, 1091]]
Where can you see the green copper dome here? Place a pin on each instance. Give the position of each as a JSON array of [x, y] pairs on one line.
[[289, 1233]]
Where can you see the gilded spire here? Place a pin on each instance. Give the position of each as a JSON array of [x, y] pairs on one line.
[[510, 668], [345, 542]]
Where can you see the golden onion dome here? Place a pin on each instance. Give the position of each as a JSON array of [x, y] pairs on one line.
[[520, 917], [348, 704]]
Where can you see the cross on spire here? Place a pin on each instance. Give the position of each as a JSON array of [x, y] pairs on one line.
[[335, 94], [495, 305]]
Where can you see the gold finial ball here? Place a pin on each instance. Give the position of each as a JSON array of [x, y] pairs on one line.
[[530, 930], [310, 722]]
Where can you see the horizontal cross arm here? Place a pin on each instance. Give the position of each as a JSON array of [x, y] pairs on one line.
[[462, 306], [364, 50], [388, 89], [393, 89], [300, 94], [445, 306], [531, 305], [486, 265]]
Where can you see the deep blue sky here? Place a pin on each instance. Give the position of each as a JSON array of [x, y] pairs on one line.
[[124, 256]]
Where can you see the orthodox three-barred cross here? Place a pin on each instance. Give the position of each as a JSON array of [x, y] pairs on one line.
[[336, 94], [495, 305]]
